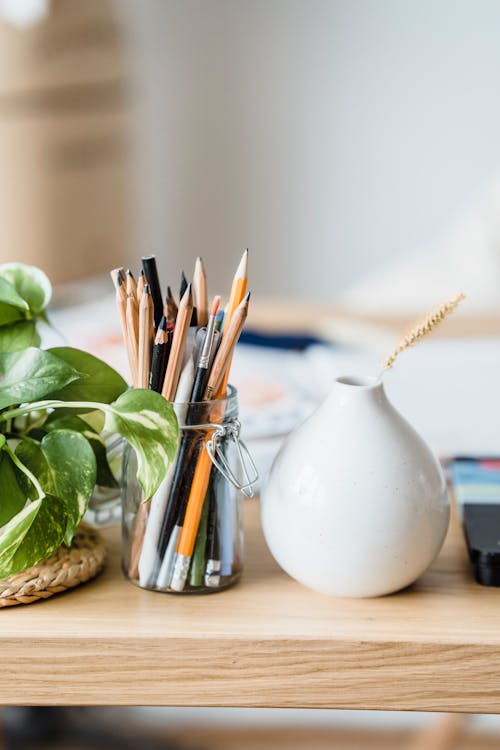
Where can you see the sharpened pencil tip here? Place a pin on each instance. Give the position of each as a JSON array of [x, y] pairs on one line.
[[242, 270], [146, 289], [163, 324]]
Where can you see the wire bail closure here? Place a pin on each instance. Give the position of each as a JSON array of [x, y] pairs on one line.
[[214, 447]]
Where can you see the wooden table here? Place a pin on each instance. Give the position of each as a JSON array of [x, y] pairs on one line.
[[267, 642]]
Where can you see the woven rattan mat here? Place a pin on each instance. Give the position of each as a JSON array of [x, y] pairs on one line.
[[68, 567]]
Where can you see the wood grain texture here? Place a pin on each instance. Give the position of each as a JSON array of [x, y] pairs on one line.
[[266, 642]]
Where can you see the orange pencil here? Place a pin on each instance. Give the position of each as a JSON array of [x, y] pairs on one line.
[[203, 469]]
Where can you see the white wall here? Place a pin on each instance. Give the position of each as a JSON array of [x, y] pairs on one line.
[[329, 137]]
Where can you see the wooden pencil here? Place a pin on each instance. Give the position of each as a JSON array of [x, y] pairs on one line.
[[145, 340], [131, 285], [200, 292], [121, 304], [146, 336], [220, 367], [238, 291], [171, 307], [183, 285], [178, 344], [132, 317], [141, 283], [114, 273]]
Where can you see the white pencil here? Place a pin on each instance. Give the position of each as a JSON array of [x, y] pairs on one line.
[[167, 564], [150, 543]]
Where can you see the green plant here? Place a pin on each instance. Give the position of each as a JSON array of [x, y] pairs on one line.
[[54, 405]]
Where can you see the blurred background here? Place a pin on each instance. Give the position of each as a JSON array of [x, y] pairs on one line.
[[340, 141], [352, 145]]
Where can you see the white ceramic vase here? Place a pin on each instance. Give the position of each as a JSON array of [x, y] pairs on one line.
[[356, 503]]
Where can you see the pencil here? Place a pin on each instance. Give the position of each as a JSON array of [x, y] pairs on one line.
[[132, 317], [151, 273], [183, 285], [212, 553], [178, 344], [238, 291], [147, 559], [146, 334], [121, 304], [198, 563], [171, 306], [220, 368], [200, 292], [141, 283], [131, 285], [115, 273], [159, 357]]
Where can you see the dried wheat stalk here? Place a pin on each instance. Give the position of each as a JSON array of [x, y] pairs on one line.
[[422, 328]]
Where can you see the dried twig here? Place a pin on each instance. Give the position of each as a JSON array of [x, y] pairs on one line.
[[422, 328]]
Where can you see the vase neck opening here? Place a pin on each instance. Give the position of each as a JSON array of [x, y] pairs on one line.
[[358, 381], [358, 389]]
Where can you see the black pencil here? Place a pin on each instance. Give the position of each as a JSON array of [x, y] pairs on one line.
[[212, 550], [159, 357], [151, 272]]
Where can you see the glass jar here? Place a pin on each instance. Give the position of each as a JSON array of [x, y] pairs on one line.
[[189, 537]]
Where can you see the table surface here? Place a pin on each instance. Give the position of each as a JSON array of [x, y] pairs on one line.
[[268, 641]]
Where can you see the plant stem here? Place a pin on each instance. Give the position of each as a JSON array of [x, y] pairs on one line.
[[4, 416], [34, 481]]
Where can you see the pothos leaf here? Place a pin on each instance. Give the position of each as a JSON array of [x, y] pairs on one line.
[[18, 335], [9, 296], [32, 535], [104, 476], [29, 374], [98, 381], [65, 466], [30, 283], [12, 495], [148, 422]]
